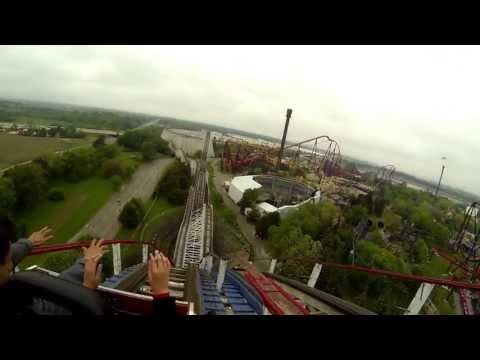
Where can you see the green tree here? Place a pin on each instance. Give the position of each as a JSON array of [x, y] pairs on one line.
[[61, 261], [80, 164], [29, 182], [355, 214], [113, 167], [421, 252], [132, 213], [264, 223], [56, 194], [393, 222], [116, 181], [174, 184], [377, 238], [100, 141], [148, 151], [249, 199], [7, 196], [108, 151], [162, 146]]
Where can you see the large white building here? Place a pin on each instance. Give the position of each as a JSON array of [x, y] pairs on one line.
[[238, 185]]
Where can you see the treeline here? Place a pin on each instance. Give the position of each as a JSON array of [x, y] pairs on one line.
[[148, 141], [10, 112], [174, 184], [23, 186], [54, 131]]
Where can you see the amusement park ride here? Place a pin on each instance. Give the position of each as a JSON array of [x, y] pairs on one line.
[[202, 283]]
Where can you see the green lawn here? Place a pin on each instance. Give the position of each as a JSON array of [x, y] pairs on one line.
[[82, 201], [133, 158], [15, 149], [66, 218]]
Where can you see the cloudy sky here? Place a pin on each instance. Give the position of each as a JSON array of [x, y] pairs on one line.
[[401, 105]]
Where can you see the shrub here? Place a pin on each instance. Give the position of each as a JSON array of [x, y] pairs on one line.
[[132, 213], [56, 194], [116, 181], [253, 215], [60, 261]]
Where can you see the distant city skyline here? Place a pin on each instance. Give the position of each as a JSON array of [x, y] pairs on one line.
[[403, 105]]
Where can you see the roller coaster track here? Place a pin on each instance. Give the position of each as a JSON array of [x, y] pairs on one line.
[[195, 233], [327, 160]]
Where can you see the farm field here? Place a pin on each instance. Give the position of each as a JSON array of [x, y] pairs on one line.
[[15, 149]]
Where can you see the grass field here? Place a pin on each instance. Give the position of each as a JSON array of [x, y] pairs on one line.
[[130, 157], [15, 149], [66, 218]]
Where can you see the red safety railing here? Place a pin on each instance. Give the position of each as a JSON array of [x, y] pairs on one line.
[[392, 274], [43, 249]]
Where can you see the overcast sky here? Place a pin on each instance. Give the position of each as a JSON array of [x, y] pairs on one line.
[[401, 105]]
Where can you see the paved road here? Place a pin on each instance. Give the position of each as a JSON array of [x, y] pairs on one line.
[[105, 223], [246, 228]]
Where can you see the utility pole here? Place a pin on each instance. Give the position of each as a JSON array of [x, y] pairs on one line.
[[285, 130], [439, 181]]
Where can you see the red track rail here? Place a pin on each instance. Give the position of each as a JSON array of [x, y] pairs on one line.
[[393, 274], [452, 259], [43, 249], [269, 290], [76, 245]]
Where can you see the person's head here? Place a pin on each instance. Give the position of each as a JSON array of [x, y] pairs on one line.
[[7, 235]]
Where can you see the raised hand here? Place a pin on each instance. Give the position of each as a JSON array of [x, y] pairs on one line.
[[158, 272], [94, 251], [41, 236], [92, 276]]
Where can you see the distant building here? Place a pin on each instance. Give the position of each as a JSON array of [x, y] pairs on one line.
[[290, 189], [239, 185]]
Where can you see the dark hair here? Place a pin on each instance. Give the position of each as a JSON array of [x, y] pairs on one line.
[[7, 235]]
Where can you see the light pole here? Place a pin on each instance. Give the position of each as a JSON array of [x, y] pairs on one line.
[[441, 175]]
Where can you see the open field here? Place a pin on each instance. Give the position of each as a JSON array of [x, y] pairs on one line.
[[15, 149], [66, 218]]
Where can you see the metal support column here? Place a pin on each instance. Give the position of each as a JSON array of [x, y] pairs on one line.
[[144, 253], [273, 264], [221, 273], [420, 298], [117, 259], [314, 275]]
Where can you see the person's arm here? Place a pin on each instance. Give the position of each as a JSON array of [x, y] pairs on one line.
[[164, 304], [158, 274], [22, 247], [92, 255], [20, 250]]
